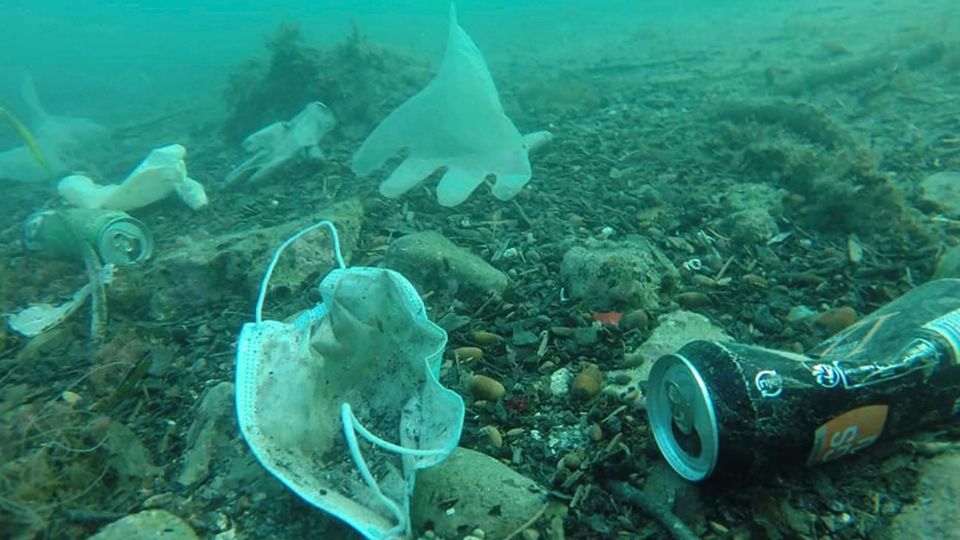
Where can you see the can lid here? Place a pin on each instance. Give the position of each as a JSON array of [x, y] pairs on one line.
[[124, 241], [682, 417]]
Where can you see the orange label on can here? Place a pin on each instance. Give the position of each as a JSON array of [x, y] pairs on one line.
[[848, 433]]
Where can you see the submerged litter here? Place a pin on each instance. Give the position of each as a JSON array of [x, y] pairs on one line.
[[343, 405], [284, 142], [38, 318], [456, 122], [164, 171], [50, 143]]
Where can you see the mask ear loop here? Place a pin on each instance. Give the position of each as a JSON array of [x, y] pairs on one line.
[[258, 311], [347, 412], [348, 419]]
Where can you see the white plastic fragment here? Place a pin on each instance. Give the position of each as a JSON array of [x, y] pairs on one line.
[[163, 172], [283, 142], [39, 318]]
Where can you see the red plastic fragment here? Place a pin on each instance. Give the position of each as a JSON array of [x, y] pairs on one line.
[[609, 318]]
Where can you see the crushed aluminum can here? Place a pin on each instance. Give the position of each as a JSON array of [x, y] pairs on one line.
[[720, 409], [116, 237]]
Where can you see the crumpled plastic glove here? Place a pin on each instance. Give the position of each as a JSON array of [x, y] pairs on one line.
[[284, 142], [457, 122], [163, 172]]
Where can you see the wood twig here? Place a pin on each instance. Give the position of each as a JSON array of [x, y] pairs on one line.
[[650, 508]]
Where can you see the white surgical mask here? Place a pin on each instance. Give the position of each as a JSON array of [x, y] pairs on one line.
[[343, 404]]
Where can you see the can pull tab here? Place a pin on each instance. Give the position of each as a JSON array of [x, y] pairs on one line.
[[124, 241], [126, 244]]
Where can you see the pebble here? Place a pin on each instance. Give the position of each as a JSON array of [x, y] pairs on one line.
[[718, 528], [756, 281], [493, 436], [530, 534], [562, 331], [837, 319], [482, 337], [942, 191], [571, 461], [692, 299], [636, 318], [765, 321], [158, 524], [158, 501], [634, 397], [467, 354], [71, 398], [854, 249], [799, 313], [587, 383], [486, 388], [704, 281], [560, 381], [595, 432]]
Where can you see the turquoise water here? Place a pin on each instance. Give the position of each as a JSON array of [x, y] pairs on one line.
[[772, 171], [122, 51]]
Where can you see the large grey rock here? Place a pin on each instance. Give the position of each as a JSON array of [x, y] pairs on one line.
[[948, 265], [211, 431], [610, 275], [431, 261], [746, 196], [665, 486], [199, 273], [942, 190], [751, 226], [674, 330], [935, 514], [750, 211], [128, 455], [471, 490], [147, 525]]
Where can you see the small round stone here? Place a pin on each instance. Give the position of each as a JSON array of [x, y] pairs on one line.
[[486, 388]]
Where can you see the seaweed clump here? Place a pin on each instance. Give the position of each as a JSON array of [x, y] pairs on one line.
[[360, 82], [53, 456], [834, 181], [69, 458]]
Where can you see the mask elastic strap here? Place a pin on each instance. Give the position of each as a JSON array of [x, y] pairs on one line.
[[258, 312], [348, 419], [382, 443], [352, 426]]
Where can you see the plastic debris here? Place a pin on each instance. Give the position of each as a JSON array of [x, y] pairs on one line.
[[343, 404], [163, 172], [456, 122], [284, 142], [50, 143], [39, 318]]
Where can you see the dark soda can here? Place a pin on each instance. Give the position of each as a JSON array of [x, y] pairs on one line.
[[724, 409], [116, 237]]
